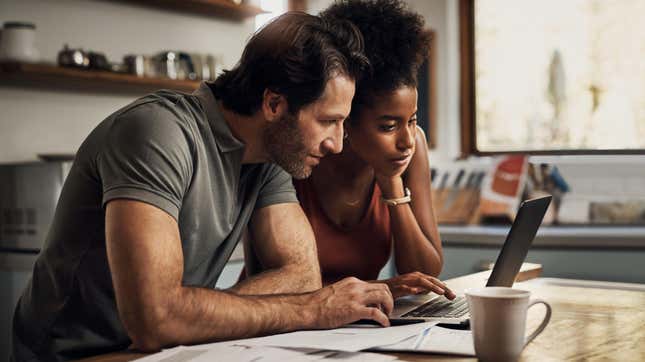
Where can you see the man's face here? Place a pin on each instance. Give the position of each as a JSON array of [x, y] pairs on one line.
[[297, 143]]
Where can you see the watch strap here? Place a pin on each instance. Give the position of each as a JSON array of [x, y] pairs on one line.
[[398, 201]]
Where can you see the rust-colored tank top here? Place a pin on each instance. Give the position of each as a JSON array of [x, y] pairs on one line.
[[360, 252]]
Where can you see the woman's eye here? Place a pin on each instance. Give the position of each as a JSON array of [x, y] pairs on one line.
[[412, 122], [387, 127]]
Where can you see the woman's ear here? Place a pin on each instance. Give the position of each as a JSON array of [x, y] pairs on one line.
[[274, 105]]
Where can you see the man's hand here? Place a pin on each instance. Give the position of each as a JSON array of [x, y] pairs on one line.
[[349, 300], [416, 283]]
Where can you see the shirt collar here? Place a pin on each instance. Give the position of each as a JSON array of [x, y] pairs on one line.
[[224, 138]]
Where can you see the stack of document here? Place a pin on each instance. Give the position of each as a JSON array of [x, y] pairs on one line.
[[435, 340], [347, 339], [240, 353], [343, 344]]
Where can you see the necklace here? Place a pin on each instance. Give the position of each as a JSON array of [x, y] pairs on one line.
[[356, 202], [352, 203]]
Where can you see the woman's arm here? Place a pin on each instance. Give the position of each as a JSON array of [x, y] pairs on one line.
[[417, 245]]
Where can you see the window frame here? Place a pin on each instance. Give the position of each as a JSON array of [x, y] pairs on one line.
[[430, 117], [467, 98]]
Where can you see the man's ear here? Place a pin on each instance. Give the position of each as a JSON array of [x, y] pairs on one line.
[[274, 105]]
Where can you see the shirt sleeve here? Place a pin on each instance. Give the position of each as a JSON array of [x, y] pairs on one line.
[[146, 157], [277, 188]]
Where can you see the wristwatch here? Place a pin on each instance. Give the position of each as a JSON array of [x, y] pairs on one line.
[[401, 200]]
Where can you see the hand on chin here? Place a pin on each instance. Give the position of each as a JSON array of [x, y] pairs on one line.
[[391, 185]]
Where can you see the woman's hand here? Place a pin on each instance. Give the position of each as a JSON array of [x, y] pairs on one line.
[[391, 186], [416, 283]]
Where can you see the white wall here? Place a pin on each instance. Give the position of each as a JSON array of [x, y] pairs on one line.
[[36, 121], [443, 17]]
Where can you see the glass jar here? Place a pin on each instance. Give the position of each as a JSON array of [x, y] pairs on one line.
[[18, 42]]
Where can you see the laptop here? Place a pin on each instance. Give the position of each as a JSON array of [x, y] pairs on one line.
[[432, 307]]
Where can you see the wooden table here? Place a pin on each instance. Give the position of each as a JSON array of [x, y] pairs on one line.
[[587, 323]]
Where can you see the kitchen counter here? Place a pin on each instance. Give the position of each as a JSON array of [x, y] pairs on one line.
[[626, 237]]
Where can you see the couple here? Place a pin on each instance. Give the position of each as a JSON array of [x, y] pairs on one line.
[[162, 190]]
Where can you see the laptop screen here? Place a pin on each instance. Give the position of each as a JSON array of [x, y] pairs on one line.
[[518, 241]]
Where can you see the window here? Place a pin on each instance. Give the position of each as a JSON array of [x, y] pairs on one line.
[[553, 76], [426, 103]]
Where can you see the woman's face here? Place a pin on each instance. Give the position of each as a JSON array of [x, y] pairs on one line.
[[384, 133]]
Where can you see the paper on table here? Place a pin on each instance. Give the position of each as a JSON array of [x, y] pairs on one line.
[[348, 339], [225, 353], [357, 356], [177, 354], [436, 340], [253, 354], [328, 355]]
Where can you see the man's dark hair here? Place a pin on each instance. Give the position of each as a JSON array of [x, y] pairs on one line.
[[396, 44], [294, 55]]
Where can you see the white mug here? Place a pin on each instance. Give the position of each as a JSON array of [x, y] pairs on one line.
[[498, 321]]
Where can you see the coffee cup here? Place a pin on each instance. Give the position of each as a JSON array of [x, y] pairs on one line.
[[498, 321]]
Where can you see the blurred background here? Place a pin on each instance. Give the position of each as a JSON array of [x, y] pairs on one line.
[[518, 99]]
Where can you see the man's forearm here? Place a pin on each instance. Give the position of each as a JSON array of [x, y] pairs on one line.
[[198, 315], [188, 315], [287, 279]]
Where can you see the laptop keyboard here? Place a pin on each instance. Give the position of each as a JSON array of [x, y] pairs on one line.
[[441, 307]]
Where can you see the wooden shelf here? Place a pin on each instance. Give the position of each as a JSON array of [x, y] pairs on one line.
[[216, 8], [51, 76]]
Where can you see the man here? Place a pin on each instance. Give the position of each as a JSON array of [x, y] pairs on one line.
[[162, 190]]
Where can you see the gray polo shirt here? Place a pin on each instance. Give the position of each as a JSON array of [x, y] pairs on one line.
[[170, 150]]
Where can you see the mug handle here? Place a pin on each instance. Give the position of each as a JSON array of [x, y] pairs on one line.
[[545, 321]]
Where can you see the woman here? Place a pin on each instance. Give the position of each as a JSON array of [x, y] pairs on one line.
[[374, 197]]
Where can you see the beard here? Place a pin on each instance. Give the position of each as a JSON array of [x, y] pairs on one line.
[[285, 146]]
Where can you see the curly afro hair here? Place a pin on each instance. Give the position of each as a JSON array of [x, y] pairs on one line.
[[396, 44]]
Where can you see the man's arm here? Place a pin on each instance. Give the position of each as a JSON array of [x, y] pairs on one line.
[[283, 244], [146, 263]]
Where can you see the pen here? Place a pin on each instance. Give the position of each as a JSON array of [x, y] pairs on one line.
[[421, 337]]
